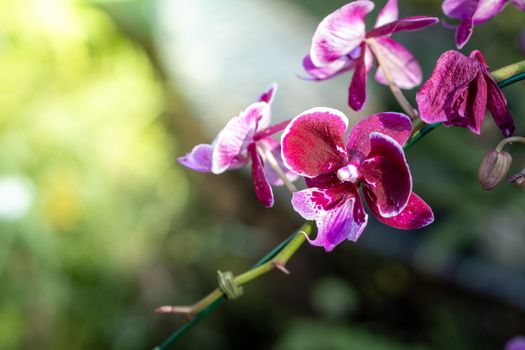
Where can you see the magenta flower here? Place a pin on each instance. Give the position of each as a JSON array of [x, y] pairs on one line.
[[516, 343], [341, 43], [245, 137], [459, 91], [313, 146], [474, 12]]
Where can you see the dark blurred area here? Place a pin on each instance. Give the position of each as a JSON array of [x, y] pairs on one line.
[[99, 224]]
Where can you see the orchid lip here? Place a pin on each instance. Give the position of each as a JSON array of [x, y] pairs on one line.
[[348, 173]]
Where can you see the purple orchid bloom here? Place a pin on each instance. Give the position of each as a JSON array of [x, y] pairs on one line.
[[313, 146], [516, 343], [245, 137], [341, 43], [459, 91], [474, 12]]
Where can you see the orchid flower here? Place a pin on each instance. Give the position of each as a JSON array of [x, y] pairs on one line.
[[474, 12], [313, 146], [341, 43], [245, 137], [459, 91]]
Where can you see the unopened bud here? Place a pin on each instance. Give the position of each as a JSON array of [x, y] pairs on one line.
[[518, 179], [494, 167]]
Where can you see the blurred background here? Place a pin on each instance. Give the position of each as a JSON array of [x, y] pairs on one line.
[[99, 224]]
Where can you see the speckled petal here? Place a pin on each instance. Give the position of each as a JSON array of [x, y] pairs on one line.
[[313, 142]]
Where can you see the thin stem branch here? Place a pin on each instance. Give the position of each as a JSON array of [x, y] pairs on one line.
[[275, 165], [509, 71], [396, 91], [508, 140]]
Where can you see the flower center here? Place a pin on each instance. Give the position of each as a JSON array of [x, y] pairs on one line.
[[348, 173]]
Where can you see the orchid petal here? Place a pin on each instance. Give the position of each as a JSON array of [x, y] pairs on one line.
[[236, 135], [313, 142], [273, 177], [331, 70], [385, 172], [388, 14], [487, 9], [357, 89], [340, 32], [417, 213], [460, 9], [263, 190], [497, 104], [520, 4], [268, 94], [395, 125], [401, 64], [464, 32], [404, 24], [338, 213], [199, 159], [453, 73]]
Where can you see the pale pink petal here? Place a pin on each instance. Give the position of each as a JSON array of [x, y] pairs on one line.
[[263, 190], [487, 9], [268, 94], [520, 4], [273, 177], [338, 213], [403, 67], [199, 159], [396, 125], [331, 70], [313, 142], [404, 24], [417, 213], [464, 32], [236, 135], [385, 172], [388, 14], [340, 32]]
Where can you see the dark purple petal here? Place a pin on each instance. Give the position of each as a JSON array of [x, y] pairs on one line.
[[464, 32], [402, 65], [520, 4], [451, 76], [404, 24], [460, 9], [357, 89], [263, 190], [236, 135], [416, 214], [396, 125], [497, 104], [199, 159], [331, 70], [340, 32], [388, 14], [273, 177], [385, 172], [313, 142], [323, 181], [268, 94], [516, 343], [338, 213], [469, 107]]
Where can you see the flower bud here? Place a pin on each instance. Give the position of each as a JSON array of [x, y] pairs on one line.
[[518, 179], [494, 167]]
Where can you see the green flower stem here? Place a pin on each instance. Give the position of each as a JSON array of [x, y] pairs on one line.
[[509, 71], [281, 254], [508, 140]]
